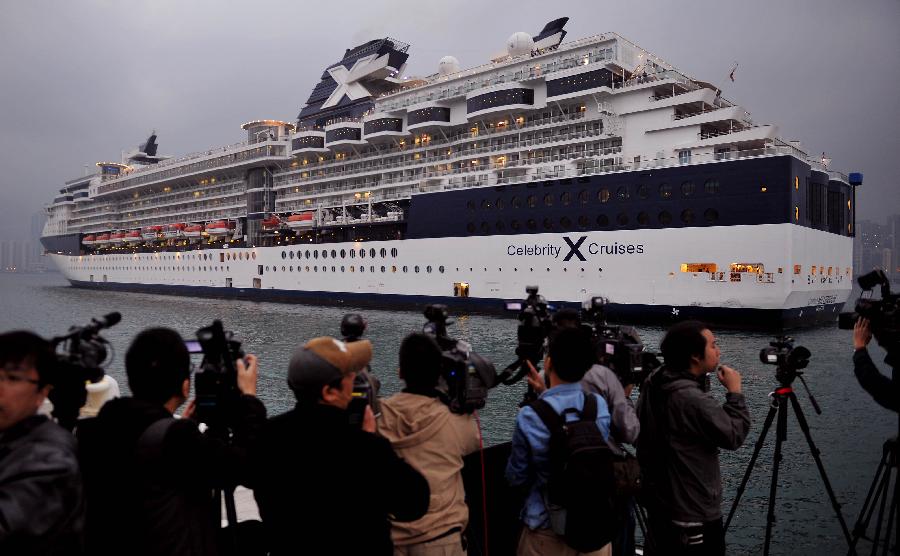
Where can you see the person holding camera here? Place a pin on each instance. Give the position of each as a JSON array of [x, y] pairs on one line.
[[682, 430], [433, 440], [322, 481], [882, 389], [41, 498], [570, 355], [150, 477]]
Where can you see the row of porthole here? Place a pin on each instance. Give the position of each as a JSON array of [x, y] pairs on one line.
[[603, 195], [710, 215], [324, 253], [162, 268], [200, 257], [362, 268]]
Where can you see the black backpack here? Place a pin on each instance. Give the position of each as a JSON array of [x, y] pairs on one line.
[[580, 491]]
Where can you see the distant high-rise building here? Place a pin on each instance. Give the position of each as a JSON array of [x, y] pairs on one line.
[[893, 226]]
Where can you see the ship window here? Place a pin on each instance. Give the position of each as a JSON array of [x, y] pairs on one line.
[[352, 268], [687, 216], [583, 221], [441, 269], [687, 189], [283, 268], [532, 201], [342, 268], [711, 215], [532, 224], [548, 224], [291, 255], [622, 219], [283, 255], [748, 267], [516, 202], [470, 227], [428, 269], [460, 289], [602, 220], [383, 253], [684, 157], [405, 269], [416, 268], [622, 193], [362, 268], [291, 268], [267, 268], [307, 268], [316, 254], [333, 254], [353, 253], [499, 203], [485, 204], [565, 198], [643, 218], [698, 267], [711, 186], [343, 253], [259, 269], [735, 277], [642, 192], [565, 222], [362, 253], [307, 255], [499, 225], [583, 196], [470, 205], [485, 227], [548, 199], [665, 191], [514, 225], [394, 252], [603, 195], [324, 253], [665, 218]]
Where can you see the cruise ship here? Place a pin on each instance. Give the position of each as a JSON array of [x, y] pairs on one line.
[[588, 168]]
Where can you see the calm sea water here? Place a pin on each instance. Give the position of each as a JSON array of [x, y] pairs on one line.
[[849, 433]]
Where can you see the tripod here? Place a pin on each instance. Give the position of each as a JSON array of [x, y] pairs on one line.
[[880, 495], [781, 396]]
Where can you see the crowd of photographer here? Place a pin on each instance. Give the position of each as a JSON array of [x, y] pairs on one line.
[[345, 472]]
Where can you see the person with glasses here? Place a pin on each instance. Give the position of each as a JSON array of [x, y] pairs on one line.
[[149, 477], [41, 500]]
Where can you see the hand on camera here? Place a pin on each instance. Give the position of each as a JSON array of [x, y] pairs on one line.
[[729, 378], [535, 380], [368, 423], [862, 334], [247, 374]]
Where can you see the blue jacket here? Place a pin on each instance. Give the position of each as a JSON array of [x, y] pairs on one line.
[[529, 461]]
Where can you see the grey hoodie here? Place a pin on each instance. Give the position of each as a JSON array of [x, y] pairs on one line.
[[682, 429]]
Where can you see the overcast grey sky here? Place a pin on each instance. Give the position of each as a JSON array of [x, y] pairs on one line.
[[83, 80]]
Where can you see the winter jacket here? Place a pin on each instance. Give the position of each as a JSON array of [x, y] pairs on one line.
[[682, 429], [434, 441], [155, 496], [41, 502], [882, 389], [624, 425], [326, 484]]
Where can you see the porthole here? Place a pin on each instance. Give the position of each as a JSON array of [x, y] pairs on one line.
[[428, 269], [416, 268], [283, 255], [240, 256], [622, 193], [371, 269], [291, 255], [441, 269], [393, 268], [622, 219], [405, 269], [470, 227], [643, 218], [315, 269], [515, 226], [372, 252], [383, 269], [299, 254], [353, 253], [283, 268], [565, 198], [352, 268], [316, 254], [485, 227], [383, 253], [548, 200], [291, 268], [642, 191], [602, 220], [687, 189], [362, 268], [603, 195], [499, 203], [687, 216], [665, 218], [531, 224], [711, 186], [343, 253], [342, 268], [333, 269], [307, 268], [583, 221], [362, 253], [711, 215], [267, 269], [324, 253], [532, 201], [485, 204], [583, 196], [665, 191], [307, 254], [500, 225], [394, 252], [548, 224], [565, 222], [470, 205], [333, 254], [516, 202]]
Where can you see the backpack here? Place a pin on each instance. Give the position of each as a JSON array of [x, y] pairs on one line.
[[580, 490]]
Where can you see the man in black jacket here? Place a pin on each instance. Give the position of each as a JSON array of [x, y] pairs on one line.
[[322, 482], [150, 478], [41, 504], [884, 390], [682, 430]]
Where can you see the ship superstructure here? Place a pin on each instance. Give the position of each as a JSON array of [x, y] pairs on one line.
[[591, 167]]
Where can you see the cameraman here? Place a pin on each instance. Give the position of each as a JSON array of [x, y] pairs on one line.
[[882, 389], [326, 483], [41, 503], [150, 477], [433, 440]]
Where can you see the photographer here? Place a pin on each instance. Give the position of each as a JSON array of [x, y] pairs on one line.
[[322, 481], [682, 430], [41, 504], [433, 440], [150, 477], [882, 389]]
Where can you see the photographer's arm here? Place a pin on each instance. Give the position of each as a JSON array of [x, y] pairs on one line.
[[725, 425], [624, 425], [870, 378]]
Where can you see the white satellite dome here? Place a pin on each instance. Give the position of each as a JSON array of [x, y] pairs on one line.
[[448, 65], [519, 43]]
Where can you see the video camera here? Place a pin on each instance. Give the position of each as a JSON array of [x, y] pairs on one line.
[[216, 381], [618, 347], [883, 314], [466, 376], [787, 358], [81, 356], [366, 385]]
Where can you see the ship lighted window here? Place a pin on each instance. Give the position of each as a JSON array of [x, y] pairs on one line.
[[698, 267], [460, 289], [747, 267]]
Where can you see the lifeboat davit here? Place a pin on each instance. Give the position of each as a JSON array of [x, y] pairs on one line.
[[219, 228], [271, 223], [117, 237], [133, 237], [102, 239], [151, 233], [89, 239], [194, 230], [302, 220], [174, 230]]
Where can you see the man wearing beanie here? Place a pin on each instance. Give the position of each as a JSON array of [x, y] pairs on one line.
[[322, 481]]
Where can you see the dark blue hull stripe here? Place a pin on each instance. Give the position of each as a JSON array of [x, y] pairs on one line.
[[745, 318]]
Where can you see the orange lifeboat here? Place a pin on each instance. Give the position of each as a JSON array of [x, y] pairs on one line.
[[117, 237], [102, 239], [174, 230], [301, 220], [89, 239], [219, 227], [151, 233], [133, 237], [194, 230], [271, 223]]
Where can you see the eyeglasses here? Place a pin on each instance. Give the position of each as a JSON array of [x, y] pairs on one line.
[[13, 379]]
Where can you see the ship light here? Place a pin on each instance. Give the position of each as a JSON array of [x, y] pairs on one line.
[[763, 189]]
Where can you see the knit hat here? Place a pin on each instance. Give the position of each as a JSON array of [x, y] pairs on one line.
[[324, 360]]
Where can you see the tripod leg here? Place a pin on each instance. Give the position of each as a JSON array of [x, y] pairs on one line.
[[868, 508], [759, 444], [883, 493], [890, 522], [780, 436], [804, 426]]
